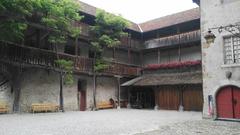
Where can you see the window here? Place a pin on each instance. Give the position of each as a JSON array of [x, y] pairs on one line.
[[232, 50]]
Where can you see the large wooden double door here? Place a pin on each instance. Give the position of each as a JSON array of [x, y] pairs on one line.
[[171, 97], [228, 102]]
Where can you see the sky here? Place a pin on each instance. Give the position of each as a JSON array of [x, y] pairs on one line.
[[140, 11]]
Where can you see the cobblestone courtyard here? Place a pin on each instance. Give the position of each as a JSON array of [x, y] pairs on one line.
[[114, 122]]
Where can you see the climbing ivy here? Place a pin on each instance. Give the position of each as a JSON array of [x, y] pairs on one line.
[[68, 68], [57, 15], [107, 32]]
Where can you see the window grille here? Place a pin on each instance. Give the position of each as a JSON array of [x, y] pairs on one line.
[[232, 50]]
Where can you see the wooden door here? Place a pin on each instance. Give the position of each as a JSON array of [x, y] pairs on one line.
[[168, 98], [228, 102], [236, 102], [82, 100], [193, 98]]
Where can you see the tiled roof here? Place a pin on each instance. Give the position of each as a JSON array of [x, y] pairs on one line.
[[88, 9], [166, 79], [91, 10], [170, 20], [197, 1], [162, 22]]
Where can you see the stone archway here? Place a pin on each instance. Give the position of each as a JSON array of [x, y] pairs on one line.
[[228, 102]]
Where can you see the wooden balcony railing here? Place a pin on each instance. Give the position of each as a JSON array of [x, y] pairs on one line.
[[130, 43], [174, 40], [122, 69], [10, 52], [125, 41]]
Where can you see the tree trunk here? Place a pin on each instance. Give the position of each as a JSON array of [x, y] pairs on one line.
[[94, 91], [17, 91], [61, 92], [94, 82], [60, 83]]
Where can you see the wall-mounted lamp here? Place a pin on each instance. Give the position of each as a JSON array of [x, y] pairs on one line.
[[210, 37], [234, 29]]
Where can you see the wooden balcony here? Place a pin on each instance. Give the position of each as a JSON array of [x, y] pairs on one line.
[[29, 56], [127, 42], [182, 38], [85, 28]]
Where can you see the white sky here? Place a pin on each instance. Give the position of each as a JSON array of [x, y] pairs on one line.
[[140, 11]]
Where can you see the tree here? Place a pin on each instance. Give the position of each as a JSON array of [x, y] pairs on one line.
[[57, 16], [107, 32]]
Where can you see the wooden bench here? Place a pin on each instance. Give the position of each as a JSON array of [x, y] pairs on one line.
[[104, 105], [44, 107], [4, 108]]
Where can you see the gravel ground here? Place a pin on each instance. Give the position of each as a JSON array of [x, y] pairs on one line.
[[201, 127], [104, 122]]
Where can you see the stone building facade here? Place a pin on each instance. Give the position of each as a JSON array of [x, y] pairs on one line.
[[220, 59], [31, 77]]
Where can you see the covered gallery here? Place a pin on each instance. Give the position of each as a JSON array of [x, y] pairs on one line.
[[168, 88]]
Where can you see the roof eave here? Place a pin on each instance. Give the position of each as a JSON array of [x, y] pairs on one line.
[[197, 2]]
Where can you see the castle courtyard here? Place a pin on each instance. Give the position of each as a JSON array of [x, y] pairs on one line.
[[114, 122]]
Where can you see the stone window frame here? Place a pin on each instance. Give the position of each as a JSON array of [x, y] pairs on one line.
[[233, 50]]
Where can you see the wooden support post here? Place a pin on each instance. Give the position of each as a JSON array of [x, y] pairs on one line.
[[179, 46], [129, 97], [130, 40], [156, 95], [114, 53], [159, 56], [179, 51], [157, 35], [38, 38], [17, 90], [76, 46], [128, 45], [119, 90], [129, 56], [180, 89], [141, 58]]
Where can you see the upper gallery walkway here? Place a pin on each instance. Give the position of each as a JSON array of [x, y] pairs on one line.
[[35, 57]]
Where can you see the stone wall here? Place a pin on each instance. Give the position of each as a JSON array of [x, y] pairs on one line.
[[6, 95], [215, 13], [42, 86], [107, 88]]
